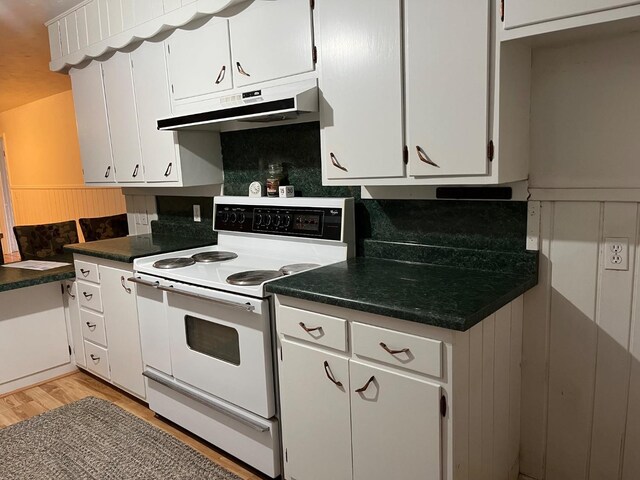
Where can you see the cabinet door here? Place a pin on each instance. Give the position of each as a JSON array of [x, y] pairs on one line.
[[199, 59], [360, 63], [123, 120], [447, 75], [92, 122], [72, 310], [518, 13], [153, 101], [315, 413], [123, 335], [395, 425], [271, 40]]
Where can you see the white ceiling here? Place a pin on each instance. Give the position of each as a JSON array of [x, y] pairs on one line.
[[24, 51]]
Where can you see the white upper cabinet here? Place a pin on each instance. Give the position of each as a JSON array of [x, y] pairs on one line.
[[360, 67], [447, 86], [153, 102], [518, 13], [123, 122], [199, 59], [92, 122], [271, 40]]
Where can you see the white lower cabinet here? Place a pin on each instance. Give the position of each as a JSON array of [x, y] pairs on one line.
[[106, 341], [397, 399], [72, 311]]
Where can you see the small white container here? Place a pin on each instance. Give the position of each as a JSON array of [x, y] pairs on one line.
[[286, 191]]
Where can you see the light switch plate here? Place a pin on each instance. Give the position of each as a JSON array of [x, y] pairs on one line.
[[533, 225], [616, 253]]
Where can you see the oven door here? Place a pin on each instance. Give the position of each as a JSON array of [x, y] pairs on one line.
[[221, 344]]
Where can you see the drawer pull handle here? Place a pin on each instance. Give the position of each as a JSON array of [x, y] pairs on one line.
[[126, 289], [94, 358], [330, 376], [424, 158], [167, 172], [106, 174], [393, 352], [85, 273], [309, 330], [69, 292], [88, 296], [135, 171], [241, 70], [92, 326], [221, 75], [336, 163], [366, 385]]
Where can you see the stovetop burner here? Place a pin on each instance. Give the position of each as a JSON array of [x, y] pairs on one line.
[[297, 267], [253, 277], [210, 257], [176, 262]]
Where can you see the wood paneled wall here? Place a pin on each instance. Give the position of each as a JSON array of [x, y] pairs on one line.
[[33, 205], [581, 348]]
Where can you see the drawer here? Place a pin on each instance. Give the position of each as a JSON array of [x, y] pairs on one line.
[[313, 327], [93, 327], [89, 296], [419, 354], [97, 359], [87, 271]]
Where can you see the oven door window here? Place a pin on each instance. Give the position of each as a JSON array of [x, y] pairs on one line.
[[212, 339]]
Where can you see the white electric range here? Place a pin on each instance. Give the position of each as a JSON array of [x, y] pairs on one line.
[[206, 319]]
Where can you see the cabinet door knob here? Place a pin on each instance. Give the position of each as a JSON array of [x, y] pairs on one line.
[[126, 289], [135, 171], [336, 163], [92, 326], [69, 292], [424, 158], [221, 75], [241, 70], [108, 172], [167, 172], [309, 330], [393, 352], [330, 376], [366, 385]]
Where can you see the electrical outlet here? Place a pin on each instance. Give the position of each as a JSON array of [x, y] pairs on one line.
[[533, 225], [616, 253], [196, 213]]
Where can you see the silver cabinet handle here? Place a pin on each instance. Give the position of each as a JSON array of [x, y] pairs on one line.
[[240, 306], [69, 292], [393, 352], [330, 376], [424, 158], [221, 75], [309, 330], [336, 163], [366, 385], [126, 289], [241, 70], [92, 326], [94, 358], [144, 282], [85, 273], [108, 172], [88, 296]]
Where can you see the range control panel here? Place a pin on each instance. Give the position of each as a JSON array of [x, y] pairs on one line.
[[322, 223]]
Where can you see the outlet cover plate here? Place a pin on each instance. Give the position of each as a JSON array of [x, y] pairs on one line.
[[616, 253]]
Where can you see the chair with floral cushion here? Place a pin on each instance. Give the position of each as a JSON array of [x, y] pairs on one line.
[[45, 240], [101, 228]]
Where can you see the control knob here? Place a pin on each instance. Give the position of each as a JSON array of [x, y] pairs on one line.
[[233, 217]]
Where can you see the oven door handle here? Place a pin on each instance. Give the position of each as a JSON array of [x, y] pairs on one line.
[[146, 283], [170, 383], [240, 306]]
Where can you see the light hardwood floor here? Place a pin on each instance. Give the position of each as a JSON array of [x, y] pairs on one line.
[[35, 400]]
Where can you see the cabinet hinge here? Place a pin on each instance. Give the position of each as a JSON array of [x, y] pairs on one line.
[[502, 10], [62, 289], [313, 4], [443, 406], [315, 55], [490, 150], [281, 354], [405, 155], [69, 349], [172, 90], [169, 48]]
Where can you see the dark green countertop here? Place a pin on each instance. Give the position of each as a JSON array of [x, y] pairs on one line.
[[126, 249], [12, 278], [448, 297]]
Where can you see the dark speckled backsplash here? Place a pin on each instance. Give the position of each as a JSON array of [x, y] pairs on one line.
[[487, 235]]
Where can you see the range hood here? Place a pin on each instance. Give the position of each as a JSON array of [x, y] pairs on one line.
[[249, 106]]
